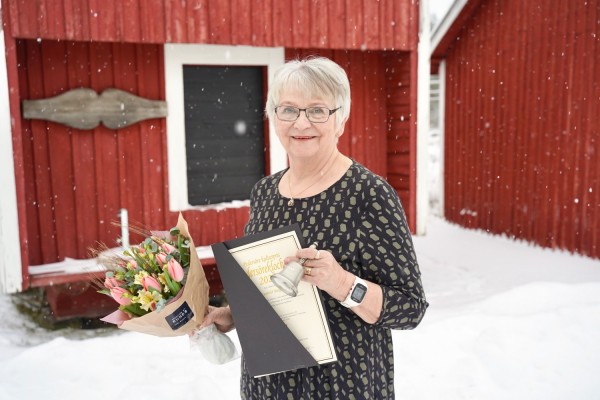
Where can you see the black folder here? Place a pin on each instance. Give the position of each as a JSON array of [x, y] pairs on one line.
[[268, 346]]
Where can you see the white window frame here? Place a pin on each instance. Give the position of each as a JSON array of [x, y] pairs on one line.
[[178, 55]]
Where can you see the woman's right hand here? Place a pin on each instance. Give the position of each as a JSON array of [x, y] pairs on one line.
[[220, 316]]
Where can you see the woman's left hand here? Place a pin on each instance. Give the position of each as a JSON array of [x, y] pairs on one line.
[[322, 270]]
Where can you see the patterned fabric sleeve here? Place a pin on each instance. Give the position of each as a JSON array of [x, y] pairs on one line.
[[389, 257]]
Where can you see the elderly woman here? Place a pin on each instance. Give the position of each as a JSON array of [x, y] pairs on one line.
[[365, 263]]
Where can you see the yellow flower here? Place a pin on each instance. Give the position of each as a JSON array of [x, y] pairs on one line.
[[139, 277], [162, 280], [148, 299]]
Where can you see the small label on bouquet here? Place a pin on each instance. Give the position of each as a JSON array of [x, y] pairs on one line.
[[180, 317]]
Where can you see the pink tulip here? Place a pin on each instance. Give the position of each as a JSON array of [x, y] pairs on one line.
[[168, 248], [150, 282], [132, 264], [162, 258], [118, 294], [111, 283], [175, 270]]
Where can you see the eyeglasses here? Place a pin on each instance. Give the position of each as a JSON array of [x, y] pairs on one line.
[[313, 114]]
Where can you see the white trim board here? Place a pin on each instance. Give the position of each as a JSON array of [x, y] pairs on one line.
[[178, 55], [11, 276], [442, 127], [423, 68]]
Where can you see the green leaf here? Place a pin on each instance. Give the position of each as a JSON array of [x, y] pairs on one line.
[[135, 309]]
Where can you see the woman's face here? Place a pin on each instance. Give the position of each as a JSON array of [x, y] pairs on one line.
[[302, 138]]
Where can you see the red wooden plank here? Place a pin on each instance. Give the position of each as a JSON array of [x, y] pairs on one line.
[[455, 118], [148, 59], [473, 144], [578, 71], [76, 19], [402, 26], [42, 19], [375, 115], [10, 17], [219, 18], [282, 24], [93, 21], [198, 17], [60, 155], [530, 154], [591, 189], [262, 23], [42, 178], [386, 24], [354, 24], [583, 44], [489, 127], [26, 14], [128, 20], [357, 82], [84, 183], [319, 19], [555, 162], [130, 183], [523, 194], [371, 30], [105, 144], [105, 13], [511, 90], [241, 22], [343, 59], [337, 26], [55, 18], [22, 146], [152, 29], [301, 23], [175, 21]]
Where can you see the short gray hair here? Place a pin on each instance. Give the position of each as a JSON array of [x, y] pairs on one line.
[[318, 76]]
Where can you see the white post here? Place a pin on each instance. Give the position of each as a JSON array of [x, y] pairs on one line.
[[124, 228], [442, 127], [423, 72], [11, 277]]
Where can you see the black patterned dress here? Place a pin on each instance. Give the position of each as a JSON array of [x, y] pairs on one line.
[[361, 222]]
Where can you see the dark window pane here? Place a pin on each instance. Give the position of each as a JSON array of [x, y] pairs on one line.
[[224, 132]]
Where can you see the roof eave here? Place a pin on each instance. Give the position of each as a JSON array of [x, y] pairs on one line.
[[446, 31]]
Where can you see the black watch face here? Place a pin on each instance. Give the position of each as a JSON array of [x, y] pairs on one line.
[[358, 294]]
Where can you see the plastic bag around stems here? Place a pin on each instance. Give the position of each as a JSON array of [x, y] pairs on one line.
[[183, 314], [215, 346]]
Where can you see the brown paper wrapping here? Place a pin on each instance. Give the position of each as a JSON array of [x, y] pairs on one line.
[[195, 293]]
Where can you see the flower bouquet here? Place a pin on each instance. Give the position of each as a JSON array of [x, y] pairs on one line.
[[161, 290]]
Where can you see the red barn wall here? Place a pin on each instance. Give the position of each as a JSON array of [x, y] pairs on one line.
[[335, 24], [76, 181], [522, 133]]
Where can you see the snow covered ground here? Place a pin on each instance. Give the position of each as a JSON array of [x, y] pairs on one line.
[[507, 321]]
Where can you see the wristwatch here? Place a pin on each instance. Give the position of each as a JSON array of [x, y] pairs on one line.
[[357, 293]]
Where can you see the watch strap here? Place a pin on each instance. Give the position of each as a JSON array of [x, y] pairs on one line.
[[357, 293]]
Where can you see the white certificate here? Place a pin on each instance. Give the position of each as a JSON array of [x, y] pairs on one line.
[[303, 314]]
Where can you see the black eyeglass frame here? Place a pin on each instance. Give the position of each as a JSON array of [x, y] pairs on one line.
[[306, 114]]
